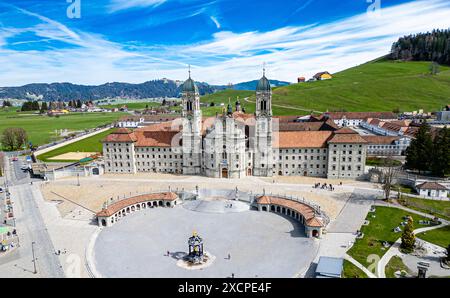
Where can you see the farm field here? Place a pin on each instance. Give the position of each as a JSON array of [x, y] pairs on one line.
[[91, 144], [41, 129]]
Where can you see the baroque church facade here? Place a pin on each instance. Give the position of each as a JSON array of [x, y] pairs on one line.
[[234, 144]]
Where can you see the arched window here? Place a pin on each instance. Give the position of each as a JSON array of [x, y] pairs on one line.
[[224, 153]]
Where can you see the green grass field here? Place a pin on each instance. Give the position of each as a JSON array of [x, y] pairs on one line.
[[439, 236], [433, 207], [91, 144], [395, 264], [380, 229], [41, 129], [375, 86], [351, 271]]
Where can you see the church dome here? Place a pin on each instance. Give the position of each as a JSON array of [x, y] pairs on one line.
[[189, 86], [263, 84]]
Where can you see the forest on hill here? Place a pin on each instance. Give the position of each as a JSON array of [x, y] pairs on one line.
[[431, 46]]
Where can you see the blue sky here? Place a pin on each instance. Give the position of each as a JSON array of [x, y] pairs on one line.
[[224, 40]]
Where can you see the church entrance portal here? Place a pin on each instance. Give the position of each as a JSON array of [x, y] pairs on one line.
[[224, 173]]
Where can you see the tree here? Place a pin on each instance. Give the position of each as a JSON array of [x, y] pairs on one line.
[[79, 104], [9, 139], [21, 137], [14, 138], [419, 152], [388, 175], [440, 159], [44, 107], [408, 237]]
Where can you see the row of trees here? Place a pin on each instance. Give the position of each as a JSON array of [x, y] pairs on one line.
[[14, 138], [44, 107], [6, 103], [430, 153], [430, 46], [30, 106]]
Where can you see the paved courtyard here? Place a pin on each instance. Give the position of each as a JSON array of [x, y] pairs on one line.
[[261, 244]]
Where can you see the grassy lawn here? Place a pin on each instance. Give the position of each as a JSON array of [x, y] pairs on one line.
[[351, 271], [41, 129], [380, 229], [91, 144], [395, 264], [374, 86], [377, 161], [439, 236], [433, 207]]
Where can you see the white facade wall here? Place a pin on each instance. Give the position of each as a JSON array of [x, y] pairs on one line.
[[224, 153], [119, 157], [159, 159], [433, 193], [346, 160], [301, 162]]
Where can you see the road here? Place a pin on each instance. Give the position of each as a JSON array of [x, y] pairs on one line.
[[33, 234]]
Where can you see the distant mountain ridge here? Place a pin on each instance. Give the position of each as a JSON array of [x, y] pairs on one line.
[[150, 89], [69, 91], [251, 85]]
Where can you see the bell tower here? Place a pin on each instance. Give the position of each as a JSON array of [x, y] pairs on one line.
[[192, 120], [263, 154]]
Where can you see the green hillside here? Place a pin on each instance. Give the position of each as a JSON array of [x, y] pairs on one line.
[[375, 86]]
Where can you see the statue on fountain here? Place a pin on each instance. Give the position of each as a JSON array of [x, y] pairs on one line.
[[196, 253]]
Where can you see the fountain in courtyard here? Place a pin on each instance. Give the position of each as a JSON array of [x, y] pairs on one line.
[[197, 258], [196, 254]]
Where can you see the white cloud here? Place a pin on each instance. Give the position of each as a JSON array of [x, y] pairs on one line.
[[228, 57], [216, 22], [117, 5]]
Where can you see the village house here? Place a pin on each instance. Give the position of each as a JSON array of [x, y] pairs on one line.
[[432, 190], [325, 75], [356, 118]]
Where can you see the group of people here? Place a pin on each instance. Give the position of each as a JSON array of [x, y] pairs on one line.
[[329, 187], [59, 252]]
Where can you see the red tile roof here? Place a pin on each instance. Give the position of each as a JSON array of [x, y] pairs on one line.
[[301, 139], [306, 211], [431, 185], [345, 130], [347, 138], [158, 139], [112, 209], [380, 140], [121, 135]]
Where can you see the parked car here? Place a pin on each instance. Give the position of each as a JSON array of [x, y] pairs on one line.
[[15, 158]]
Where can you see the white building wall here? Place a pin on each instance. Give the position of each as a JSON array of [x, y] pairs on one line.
[[346, 160]]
